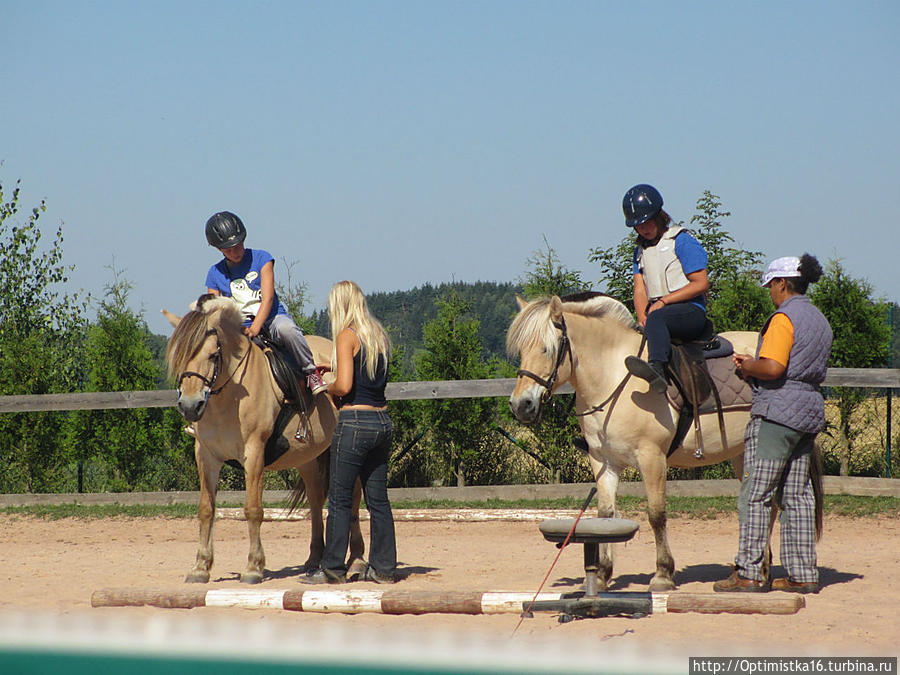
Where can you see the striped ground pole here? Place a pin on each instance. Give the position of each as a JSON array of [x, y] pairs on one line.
[[390, 601]]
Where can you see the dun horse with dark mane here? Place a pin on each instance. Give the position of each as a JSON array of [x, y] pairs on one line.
[[227, 391]]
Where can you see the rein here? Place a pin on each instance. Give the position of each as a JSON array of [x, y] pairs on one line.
[[208, 382], [618, 390]]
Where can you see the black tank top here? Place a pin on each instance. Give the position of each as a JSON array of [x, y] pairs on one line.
[[367, 390]]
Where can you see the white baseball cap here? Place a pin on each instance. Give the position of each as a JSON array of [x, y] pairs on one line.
[[780, 268]]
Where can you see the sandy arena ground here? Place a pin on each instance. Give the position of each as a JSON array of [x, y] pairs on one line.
[[49, 570]]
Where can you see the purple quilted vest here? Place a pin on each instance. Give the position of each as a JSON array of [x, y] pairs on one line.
[[794, 399]]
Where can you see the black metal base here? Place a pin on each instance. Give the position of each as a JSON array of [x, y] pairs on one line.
[[625, 603]]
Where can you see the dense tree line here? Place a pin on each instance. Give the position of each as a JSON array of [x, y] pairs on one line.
[[453, 331]]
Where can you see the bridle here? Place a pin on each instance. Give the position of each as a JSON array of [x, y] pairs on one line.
[[563, 348], [217, 363]]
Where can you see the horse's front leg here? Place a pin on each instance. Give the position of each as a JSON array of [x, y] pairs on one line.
[[356, 563], [607, 479], [208, 472], [653, 469], [253, 512]]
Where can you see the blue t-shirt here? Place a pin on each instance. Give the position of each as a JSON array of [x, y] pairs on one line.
[[690, 254], [242, 283]]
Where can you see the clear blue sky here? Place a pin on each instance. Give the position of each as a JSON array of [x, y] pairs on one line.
[[399, 143]]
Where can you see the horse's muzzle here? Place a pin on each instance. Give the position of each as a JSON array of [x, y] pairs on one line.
[[526, 408], [192, 406]]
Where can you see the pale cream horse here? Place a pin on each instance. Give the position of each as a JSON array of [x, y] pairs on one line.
[[585, 341], [227, 392]]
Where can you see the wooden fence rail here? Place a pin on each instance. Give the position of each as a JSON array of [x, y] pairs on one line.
[[879, 378]]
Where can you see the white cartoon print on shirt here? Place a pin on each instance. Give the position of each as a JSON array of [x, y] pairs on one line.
[[245, 297]]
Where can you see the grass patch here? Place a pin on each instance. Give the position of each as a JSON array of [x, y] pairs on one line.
[[705, 508]]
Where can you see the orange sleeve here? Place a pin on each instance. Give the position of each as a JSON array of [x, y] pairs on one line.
[[778, 340]]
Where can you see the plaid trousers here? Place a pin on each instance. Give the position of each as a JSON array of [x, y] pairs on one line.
[[762, 477]]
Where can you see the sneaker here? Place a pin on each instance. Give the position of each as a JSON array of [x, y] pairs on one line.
[[737, 583], [786, 584], [379, 577], [315, 383], [653, 372], [322, 576]]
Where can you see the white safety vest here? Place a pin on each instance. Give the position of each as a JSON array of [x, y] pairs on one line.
[[660, 267]]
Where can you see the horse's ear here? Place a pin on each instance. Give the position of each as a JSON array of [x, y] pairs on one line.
[[521, 302], [556, 308], [174, 319]]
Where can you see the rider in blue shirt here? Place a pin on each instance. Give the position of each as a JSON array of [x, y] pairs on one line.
[[670, 282], [247, 276]]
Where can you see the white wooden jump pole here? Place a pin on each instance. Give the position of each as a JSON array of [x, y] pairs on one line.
[[381, 601]]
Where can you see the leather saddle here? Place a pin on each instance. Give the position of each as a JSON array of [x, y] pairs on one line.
[[702, 380]]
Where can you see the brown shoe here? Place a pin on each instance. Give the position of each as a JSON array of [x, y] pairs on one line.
[[785, 584], [737, 583]]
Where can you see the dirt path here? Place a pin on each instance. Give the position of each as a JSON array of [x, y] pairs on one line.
[[50, 569]]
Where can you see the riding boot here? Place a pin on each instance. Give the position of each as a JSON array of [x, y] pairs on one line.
[[653, 372]]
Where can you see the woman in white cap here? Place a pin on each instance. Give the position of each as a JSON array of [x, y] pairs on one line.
[[788, 411]]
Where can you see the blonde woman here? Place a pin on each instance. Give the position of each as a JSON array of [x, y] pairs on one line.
[[362, 439]]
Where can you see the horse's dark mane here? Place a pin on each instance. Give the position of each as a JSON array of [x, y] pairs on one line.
[[583, 296], [533, 323]]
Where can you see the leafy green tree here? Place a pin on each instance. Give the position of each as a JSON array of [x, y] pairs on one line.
[[726, 263], [616, 277], [409, 457], [546, 275], [740, 304], [549, 442], [127, 449], [862, 339], [294, 295], [735, 301], [41, 333], [459, 427]]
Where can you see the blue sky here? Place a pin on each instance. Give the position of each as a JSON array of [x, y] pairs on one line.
[[399, 143]]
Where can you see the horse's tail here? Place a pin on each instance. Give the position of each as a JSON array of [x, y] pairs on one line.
[[298, 494], [816, 472]]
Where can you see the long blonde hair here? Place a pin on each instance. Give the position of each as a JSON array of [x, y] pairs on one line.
[[347, 308]]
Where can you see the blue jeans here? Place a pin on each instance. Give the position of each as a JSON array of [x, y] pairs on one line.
[[360, 449], [681, 320]]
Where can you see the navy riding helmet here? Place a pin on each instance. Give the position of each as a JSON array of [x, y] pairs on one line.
[[640, 204], [224, 230]]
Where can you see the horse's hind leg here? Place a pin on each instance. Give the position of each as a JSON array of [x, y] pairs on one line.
[[253, 511], [314, 482], [607, 479], [206, 513]]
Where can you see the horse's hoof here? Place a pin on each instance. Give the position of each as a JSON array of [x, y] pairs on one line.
[[357, 570], [251, 578], [196, 577], [662, 585]]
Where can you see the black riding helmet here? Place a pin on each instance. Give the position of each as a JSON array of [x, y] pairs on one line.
[[224, 230], [640, 204]]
